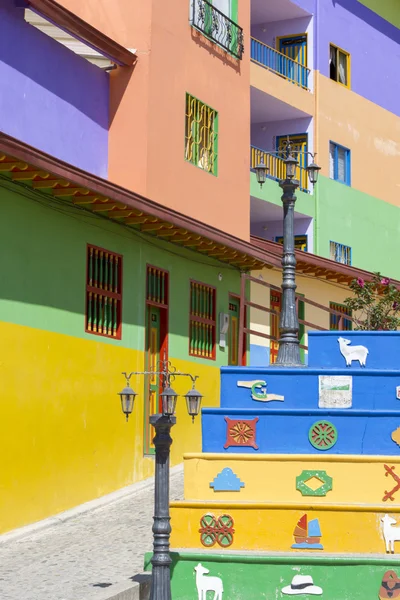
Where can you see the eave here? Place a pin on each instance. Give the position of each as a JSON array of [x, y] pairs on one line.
[[45, 173], [78, 28], [311, 264]]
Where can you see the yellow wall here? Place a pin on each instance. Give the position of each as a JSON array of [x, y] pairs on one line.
[[369, 131], [313, 288], [63, 437]]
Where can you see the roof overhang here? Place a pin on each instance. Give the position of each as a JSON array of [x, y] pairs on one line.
[[79, 29], [317, 266], [45, 173]]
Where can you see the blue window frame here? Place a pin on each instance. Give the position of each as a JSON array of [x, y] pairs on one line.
[[340, 253], [339, 163], [336, 322]]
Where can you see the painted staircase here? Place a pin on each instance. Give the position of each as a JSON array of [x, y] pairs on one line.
[[297, 490]]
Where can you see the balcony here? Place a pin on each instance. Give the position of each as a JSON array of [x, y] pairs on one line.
[[279, 63], [276, 167], [218, 27]]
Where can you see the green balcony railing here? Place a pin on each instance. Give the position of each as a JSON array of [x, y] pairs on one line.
[[279, 63]]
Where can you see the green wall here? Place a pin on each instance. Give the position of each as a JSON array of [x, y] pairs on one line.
[[388, 9], [43, 271], [257, 576], [271, 192], [369, 226]]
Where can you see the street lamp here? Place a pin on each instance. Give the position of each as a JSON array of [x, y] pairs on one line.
[[289, 349], [162, 423]]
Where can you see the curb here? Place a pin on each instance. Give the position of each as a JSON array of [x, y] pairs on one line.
[[90, 506], [137, 588]]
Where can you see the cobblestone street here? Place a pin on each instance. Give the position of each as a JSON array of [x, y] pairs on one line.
[[73, 559]]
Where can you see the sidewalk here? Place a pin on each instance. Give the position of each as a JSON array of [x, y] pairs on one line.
[[75, 558]]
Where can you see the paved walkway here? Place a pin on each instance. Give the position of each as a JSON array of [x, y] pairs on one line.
[[74, 559]]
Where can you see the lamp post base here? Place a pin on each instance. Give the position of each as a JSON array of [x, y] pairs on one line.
[[288, 355], [161, 560]]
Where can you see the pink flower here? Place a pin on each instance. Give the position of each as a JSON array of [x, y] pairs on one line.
[[361, 282], [385, 281]]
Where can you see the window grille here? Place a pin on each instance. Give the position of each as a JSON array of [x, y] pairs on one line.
[[201, 135], [337, 322], [202, 320], [340, 253], [103, 292], [157, 286]]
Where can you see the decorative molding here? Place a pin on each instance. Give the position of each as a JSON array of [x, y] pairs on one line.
[[227, 481], [241, 432], [259, 390], [390, 495], [216, 530], [306, 476], [323, 435]]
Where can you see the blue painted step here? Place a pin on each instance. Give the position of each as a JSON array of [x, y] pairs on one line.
[[371, 389], [383, 349], [287, 430]]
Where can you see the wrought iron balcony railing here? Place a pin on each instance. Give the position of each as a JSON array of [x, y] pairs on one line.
[[279, 63], [218, 27], [276, 167]]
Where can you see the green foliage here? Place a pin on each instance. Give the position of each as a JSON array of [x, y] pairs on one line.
[[376, 302]]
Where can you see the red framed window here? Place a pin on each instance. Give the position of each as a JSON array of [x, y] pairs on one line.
[[202, 325], [103, 292]]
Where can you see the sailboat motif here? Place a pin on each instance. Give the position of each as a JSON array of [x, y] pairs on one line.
[[307, 534]]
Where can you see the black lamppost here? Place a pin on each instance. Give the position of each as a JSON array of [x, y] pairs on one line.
[[289, 349], [162, 423]]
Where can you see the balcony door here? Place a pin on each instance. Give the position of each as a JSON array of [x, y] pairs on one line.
[[299, 143], [295, 48]]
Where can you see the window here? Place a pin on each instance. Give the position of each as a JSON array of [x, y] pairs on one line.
[[217, 20], [300, 242], [336, 321], [340, 253], [339, 163], [202, 320], [103, 292], [339, 65], [201, 135]]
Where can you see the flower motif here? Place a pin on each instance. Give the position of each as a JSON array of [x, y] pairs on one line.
[[385, 281], [361, 282]]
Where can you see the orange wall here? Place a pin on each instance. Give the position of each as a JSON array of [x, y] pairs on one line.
[[147, 128], [369, 131]]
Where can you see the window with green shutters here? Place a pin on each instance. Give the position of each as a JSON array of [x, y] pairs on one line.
[[202, 326], [103, 292]]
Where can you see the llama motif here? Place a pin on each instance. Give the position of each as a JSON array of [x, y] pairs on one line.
[[351, 353], [208, 584], [390, 532]]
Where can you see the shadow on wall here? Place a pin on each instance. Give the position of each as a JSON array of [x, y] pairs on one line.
[[50, 97], [370, 17]]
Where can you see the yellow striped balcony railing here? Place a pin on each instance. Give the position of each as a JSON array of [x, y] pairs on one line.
[[275, 61], [276, 167]]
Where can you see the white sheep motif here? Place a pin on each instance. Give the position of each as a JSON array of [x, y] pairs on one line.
[[351, 353], [390, 532], [208, 584]]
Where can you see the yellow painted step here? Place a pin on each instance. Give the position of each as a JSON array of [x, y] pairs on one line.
[[293, 478], [270, 527]]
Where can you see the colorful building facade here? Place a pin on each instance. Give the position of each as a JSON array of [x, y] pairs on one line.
[[131, 212]]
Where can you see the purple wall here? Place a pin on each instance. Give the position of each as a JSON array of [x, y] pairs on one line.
[[373, 44], [263, 134], [274, 229], [51, 98]]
